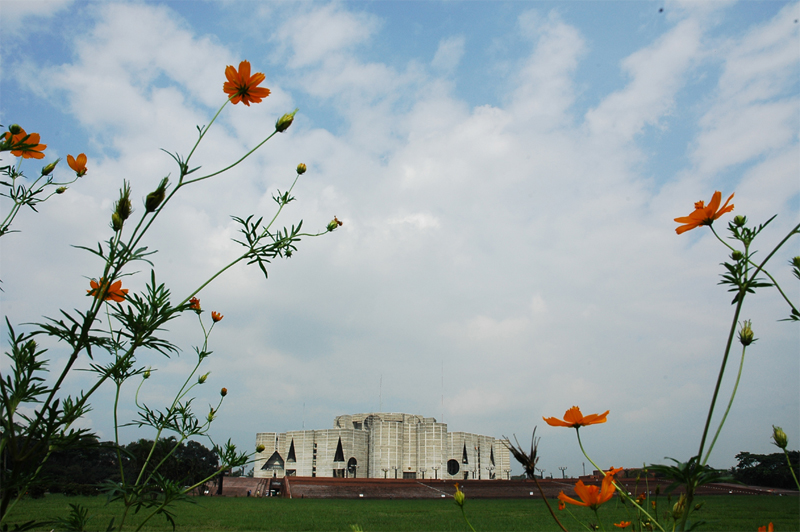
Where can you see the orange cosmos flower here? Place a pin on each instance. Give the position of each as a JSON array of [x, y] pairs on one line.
[[194, 304], [622, 524], [704, 215], [242, 87], [115, 292], [574, 418], [561, 505], [766, 528], [216, 316], [24, 145], [591, 496], [79, 164], [641, 498]]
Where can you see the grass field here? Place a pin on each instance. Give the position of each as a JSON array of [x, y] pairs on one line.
[[722, 513]]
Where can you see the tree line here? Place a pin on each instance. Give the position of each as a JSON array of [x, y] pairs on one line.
[[85, 468]]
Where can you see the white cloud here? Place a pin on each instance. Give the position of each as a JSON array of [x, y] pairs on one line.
[[319, 33], [657, 73], [755, 107], [448, 55]]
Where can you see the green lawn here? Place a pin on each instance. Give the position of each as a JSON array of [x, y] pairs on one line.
[[722, 513]]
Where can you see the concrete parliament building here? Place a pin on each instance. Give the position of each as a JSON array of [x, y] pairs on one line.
[[382, 445]]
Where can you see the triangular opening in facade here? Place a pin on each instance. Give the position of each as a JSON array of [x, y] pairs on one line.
[[339, 456], [491, 455], [291, 457], [464, 459], [274, 462]]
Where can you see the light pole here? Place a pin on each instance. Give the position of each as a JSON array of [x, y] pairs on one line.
[[563, 468], [385, 471], [395, 470], [541, 471], [490, 471], [436, 472], [508, 474], [422, 470]]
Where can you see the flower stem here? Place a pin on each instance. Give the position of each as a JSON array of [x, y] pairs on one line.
[[791, 469], [727, 410]]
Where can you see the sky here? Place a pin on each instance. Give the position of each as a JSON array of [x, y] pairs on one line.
[[507, 175]]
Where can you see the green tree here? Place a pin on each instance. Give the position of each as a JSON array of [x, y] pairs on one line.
[[769, 470]]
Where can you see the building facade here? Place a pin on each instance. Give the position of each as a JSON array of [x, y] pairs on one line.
[[383, 445]]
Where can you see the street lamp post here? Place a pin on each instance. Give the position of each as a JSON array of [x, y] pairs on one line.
[[563, 468], [385, 471], [436, 472], [422, 470]]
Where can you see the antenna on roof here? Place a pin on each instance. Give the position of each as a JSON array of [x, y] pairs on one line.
[[442, 420]]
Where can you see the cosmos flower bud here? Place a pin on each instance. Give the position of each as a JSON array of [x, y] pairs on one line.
[[678, 507], [301, 169], [779, 437], [223, 392], [146, 373], [746, 333], [123, 206], [796, 262], [202, 378], [61, 190], [260, 448], [285, 121], [739, 220], [48, 169], [459, 496], [737, 255], [210, 416], [334, 224], [155, 198], [14, 129], [116, 222]]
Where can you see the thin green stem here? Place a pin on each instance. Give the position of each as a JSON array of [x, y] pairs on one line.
[[464, 515], [791, 469], [727, 410], [245, 156], [731, 333]]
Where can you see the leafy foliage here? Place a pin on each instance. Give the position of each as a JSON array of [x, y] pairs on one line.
[[768, 470]]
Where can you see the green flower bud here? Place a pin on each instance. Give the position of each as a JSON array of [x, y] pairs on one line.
[[739, 220], [285, 121], [737, 255], [202, 378], [47, 170], [61, 190], [334, 224], [301, 169], [260, 448], [155, 198], [459, 496], [746, 333], [146, 373], [123, 206], [116, 222], [14, 129], [796, 262], [779, 437], [210, 416]]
